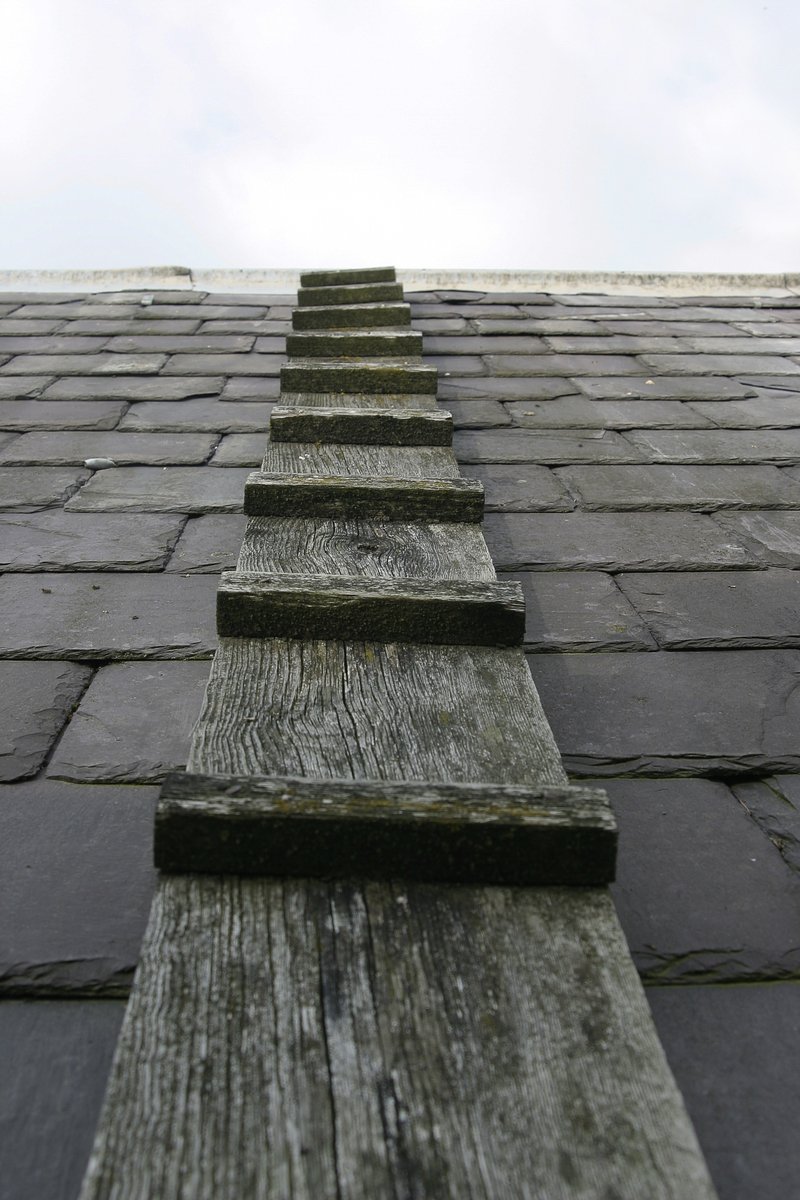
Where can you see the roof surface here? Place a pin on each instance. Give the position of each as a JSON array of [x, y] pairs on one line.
[[641, 457]]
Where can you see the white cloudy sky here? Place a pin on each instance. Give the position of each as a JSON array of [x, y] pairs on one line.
[[564, 134]]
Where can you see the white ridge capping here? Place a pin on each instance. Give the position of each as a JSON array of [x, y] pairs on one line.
[[286, 280]]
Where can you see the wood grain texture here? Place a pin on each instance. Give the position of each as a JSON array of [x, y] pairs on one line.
[[363, 426], [377, 549], [388, 499], [351, 293], [374, 462], [358, 400], [355, 343], [403, 375], [354, 608], [352, 316], [373, 710], [356, 275], [452, 833], [344, 1041]]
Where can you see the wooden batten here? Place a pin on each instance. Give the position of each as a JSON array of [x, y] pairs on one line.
[[352, 293], [405, 376], [352, 316], [340, 343], [389, 499], [361, 426], [312, 279]]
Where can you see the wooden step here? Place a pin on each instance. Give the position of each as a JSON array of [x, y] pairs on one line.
[[401, 375], [364, 426], [351, 316], [351, 293], [388, 499], [312, 279], [376, 343]]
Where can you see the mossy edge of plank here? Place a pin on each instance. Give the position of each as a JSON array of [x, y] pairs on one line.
[[388, 499], [380, 315], [401, 375], [251, 604], [449, 833], [361, 426], [350, 293], [354, 343], [311, 279]]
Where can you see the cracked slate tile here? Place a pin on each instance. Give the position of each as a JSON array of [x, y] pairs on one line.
[[55, 540], [544, 446], [719, 445], [643, 488], [71, 921], [63, 448], [26, 488], [520, 487], [90, 615], [774, 805], [578, 412], [771, 409], [17, 387], [720, 609], [162, 489], [200, 415], [578, 611], [132, 388], [24, 415], [771, 537], [36, 699], [208, 545], [240, 450], [477, 414], [612, 542], [695, 712], [504, 388], [701, 894], [133, 725], [664, 388], [56, 1058], [734, 1052], [455, 364]]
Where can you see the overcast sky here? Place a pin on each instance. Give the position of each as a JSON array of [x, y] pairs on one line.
[[532, 134]]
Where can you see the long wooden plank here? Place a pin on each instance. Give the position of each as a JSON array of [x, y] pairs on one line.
[[401, 375], [390, 499], [467, 833], [356, 275], [369, 547], [351, 293], [309, 1040], [372, 343], [354, 607], [373, 710], [369, 461], [351, 316], [362, 426], [391, 400]]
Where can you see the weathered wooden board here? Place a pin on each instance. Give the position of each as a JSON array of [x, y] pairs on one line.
[[392, 400], [401, 375], [353, 1041], [357, 275], [351, 607], [362, 426], [466, 833], [351, 293], [373, 710], [387, 499], [371, 462], [351, 316], [373, 343], [378, 549]]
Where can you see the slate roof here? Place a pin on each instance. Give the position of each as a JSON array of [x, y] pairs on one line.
[[641, 457]]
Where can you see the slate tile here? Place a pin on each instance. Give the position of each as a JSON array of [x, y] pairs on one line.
[[240, 450], [133, 389], [55, 540], [229, 364], [17, 386], [252, 389], [71, 920], [41, 414], [771, 409], [89, 616], [200, 415], [613, 542], [162, 489], [512, 388], [9, 325], [440, 309], [720, 445], [438, 325], [701, 489], [520, 487], [455, 364], [208, 545], [666, 325], [26, 488], [719, 364], [771, 537], [738, 345], [600, 301], [266, 326], [56, 1059], [42, 344], [564, 364], [701, 894], [130, 326], [48, 306], [474, 344], [578, 412], [203, 311], [579, 611], [61, 448], [784, 383], [133, 725], [477, 414], [86, 364], [538, 325], [664, 388], [36, 699], [617, 343], [694, 712], [774, 805], [734, 1052], [544, 446], [195, 343], [764, 329], [719, 609]]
